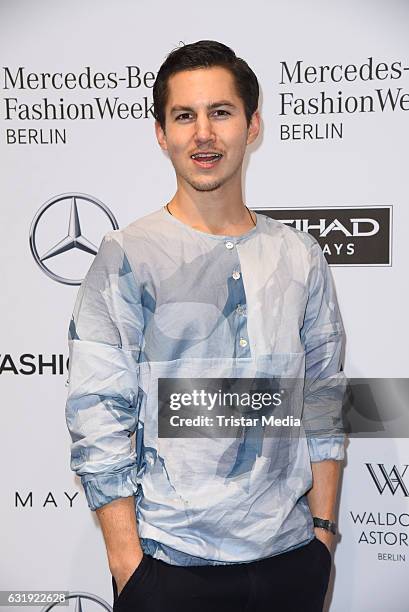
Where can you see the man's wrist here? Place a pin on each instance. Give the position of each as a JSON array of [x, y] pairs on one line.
[[124, 562], [325, 524]]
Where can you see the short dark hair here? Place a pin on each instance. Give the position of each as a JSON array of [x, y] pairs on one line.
[[205, 54]]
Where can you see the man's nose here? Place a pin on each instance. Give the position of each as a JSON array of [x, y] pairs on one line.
[[204, 129]]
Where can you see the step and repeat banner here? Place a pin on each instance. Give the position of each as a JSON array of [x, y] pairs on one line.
[[79, 157]]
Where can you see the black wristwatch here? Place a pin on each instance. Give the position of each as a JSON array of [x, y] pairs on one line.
[[324, 524]]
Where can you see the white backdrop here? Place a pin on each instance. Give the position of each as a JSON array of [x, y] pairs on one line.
[[52, 542]]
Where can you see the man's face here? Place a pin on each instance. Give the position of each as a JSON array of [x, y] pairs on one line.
[[206, 131]]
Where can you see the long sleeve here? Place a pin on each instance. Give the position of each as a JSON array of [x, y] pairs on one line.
[[103, 402], [323, 338]]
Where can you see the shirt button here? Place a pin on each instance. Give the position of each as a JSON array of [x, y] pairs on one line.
[[236, 275], [240, 309], [229, 244], [243, 342]]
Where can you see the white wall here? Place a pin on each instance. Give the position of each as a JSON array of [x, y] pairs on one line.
[[118, 162]]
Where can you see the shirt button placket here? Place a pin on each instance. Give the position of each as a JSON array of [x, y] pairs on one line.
[[240, 309]]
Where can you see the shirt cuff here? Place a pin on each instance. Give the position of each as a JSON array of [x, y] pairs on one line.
[[326, 448], [100, 489]]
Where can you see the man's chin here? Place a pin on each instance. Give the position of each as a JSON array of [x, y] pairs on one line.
[[209, 186]]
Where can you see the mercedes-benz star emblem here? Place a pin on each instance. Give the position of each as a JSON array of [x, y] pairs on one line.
[[74, 238], [79, 597]]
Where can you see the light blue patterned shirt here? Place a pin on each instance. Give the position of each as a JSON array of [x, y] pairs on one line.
[[163, 300]]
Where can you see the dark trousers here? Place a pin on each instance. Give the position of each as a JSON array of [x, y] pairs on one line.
[[295, 581]]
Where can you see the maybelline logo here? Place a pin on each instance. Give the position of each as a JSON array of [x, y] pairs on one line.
[[53, 499], [347, 236], [389, 479]]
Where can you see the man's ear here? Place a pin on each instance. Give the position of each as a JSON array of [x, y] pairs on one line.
[[254, 127], [161, 136]]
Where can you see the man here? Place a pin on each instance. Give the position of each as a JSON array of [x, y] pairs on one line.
[[204, 288]]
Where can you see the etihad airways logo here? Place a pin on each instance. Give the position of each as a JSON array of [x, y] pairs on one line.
[[357, 227], [388, 479], [359, 236]]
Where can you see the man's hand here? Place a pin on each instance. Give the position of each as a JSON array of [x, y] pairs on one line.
[[125, 569], [326, 537], [118, 524]]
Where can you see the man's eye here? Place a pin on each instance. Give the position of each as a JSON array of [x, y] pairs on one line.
[[223, 112], [183, 116]]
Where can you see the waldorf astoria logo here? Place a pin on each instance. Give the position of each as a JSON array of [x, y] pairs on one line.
[[382, 530], [389, 479], [359, 236]]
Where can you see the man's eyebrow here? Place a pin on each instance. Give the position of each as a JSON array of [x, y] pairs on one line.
[[178, 107]]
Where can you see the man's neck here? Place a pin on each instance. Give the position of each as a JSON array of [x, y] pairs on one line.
[[213, 212]]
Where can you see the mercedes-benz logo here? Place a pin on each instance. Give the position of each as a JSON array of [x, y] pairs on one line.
[[79, 597], [74, 239]]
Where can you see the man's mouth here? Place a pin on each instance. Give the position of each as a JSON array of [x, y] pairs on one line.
[[206, 160]]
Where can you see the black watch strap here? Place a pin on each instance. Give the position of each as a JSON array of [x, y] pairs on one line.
[[324, 524]]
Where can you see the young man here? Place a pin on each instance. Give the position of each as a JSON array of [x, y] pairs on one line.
[[204, 288]]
